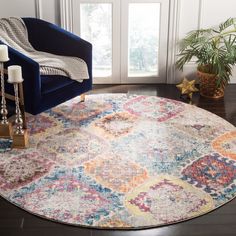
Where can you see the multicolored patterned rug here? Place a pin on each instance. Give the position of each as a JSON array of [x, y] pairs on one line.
[[122, 161]]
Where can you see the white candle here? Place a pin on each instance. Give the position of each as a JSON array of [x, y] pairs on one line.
[[3, 53], [14, 74]]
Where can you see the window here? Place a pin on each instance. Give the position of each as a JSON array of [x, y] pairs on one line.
[[96, 27], [143, 36], [129, 38]]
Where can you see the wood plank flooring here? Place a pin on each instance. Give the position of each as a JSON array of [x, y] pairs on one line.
[[221, 222]]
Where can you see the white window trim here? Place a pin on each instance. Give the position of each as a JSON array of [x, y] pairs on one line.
[[38, 9]]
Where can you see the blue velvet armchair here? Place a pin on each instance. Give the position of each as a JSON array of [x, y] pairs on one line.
[[42, 92]]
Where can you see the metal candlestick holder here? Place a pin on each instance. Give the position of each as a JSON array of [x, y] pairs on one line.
[[5, 125], [20, 136]]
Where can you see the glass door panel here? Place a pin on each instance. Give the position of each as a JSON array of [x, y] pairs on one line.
[[143, 37], [96, 27]]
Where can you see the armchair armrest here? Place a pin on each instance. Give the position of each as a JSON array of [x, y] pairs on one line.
[[30, 74], [47, 37]]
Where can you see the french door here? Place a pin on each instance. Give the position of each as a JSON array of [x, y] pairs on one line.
[[129, 38]]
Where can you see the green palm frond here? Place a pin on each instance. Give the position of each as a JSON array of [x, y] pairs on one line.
[[214, 47], [226, 24]]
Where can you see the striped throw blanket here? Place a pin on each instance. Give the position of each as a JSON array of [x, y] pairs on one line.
[[13, 32]]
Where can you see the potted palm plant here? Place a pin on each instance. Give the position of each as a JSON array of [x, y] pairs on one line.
[[214, 51]]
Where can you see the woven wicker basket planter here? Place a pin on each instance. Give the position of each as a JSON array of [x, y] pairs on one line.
[[208, 85]]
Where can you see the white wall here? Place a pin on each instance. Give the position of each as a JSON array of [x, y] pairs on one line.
[[17, 8], [45, 9], [51, 11], [194, 14]]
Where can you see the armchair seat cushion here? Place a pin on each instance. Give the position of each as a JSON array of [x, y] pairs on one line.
[[50, 83]]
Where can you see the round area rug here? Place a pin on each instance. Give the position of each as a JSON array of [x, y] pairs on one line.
[[122, 161]]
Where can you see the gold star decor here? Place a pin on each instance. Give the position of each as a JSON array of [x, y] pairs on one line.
[[187, 87]]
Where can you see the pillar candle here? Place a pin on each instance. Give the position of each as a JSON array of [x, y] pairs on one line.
[[3, 53], [14, 74]]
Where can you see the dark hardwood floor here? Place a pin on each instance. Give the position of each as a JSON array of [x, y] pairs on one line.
[[221, 222]]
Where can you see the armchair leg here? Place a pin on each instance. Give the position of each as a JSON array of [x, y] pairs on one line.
[[82, 97]]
